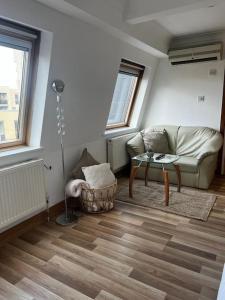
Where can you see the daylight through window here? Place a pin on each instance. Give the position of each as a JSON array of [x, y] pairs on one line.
[[127, 84], [17, 48]]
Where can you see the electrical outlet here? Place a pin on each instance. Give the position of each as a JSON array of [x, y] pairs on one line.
[[212, 72], [201, 98]]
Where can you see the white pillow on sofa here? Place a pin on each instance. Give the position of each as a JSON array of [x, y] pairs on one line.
[[99, 176]]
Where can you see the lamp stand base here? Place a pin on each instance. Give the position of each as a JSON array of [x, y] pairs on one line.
[[64, 220]]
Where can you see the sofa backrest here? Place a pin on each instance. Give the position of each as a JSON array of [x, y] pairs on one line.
[[192, 140], [172, 132]]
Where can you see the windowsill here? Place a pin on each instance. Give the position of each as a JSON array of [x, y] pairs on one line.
[[119, 131], [16, 151]]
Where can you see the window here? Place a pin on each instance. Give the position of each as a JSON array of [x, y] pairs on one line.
[[16, 128], [125, 93], [3, 98], [17, 99], [18, 46], [2, 132], [3, 101]]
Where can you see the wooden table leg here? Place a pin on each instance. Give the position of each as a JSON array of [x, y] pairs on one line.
[[166, 186], [146, 174], [131, 180], [177, 168]]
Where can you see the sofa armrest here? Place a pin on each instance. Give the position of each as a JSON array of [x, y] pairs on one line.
[[207, 168], [211, 147]]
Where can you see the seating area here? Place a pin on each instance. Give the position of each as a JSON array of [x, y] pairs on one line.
[[197, 148]]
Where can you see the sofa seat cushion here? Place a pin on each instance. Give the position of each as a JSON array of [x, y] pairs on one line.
[[187, 164]]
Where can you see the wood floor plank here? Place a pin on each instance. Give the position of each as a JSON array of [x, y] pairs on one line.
[[93, 279], [209, 293], [189, 256], [47, 228], [212, 239], [156, 272], [195, 243], [52, 227], [129, 241], [9, 274], [158, 243], [130, 283], [103, 295], [49, 269], [96, 258], [88, 261], [130, 228], [188, 263], [10, 291], [101, 228], [48, 282], [174, 274], [79, 242], [211, 273], [32, 249], [37, 291], [169, 288], [192, 250]]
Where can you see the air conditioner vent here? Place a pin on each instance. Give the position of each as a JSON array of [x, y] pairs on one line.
[[197, 54]]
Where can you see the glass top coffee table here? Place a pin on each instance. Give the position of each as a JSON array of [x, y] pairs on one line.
[[169, 159]]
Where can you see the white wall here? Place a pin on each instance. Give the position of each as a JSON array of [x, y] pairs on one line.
[[174, 96], [87, 59]]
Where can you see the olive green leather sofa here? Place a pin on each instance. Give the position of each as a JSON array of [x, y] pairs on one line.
[[197, 148]]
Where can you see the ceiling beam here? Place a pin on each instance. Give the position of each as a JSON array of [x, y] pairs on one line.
[[146, 10], [107, 19]]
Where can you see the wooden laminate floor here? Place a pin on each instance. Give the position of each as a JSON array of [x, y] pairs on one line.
[[129, 253]]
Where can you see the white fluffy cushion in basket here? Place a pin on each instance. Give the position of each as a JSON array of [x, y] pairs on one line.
[[99, 176]]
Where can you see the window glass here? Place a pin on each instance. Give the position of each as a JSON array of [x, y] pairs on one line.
[[2, 132], [12, 79], [17, 55], [125, 92]]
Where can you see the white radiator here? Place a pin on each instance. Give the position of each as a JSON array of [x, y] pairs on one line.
[[22, 192], [116, 151]]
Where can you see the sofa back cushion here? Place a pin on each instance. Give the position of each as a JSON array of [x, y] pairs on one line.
[[135, 146], [155, 140], [172, 132], [192, 140]]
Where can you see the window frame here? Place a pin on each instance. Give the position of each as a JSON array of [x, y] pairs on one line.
[[15, 36], [130, 68]]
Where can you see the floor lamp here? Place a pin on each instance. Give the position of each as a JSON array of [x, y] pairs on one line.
[[68, 217]]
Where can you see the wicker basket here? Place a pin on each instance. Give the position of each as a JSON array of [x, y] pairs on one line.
[[98, 200]]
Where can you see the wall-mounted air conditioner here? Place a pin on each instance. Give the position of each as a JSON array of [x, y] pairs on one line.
[[196, 54]]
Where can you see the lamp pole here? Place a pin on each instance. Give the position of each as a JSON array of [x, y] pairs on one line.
[[68, 217]]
